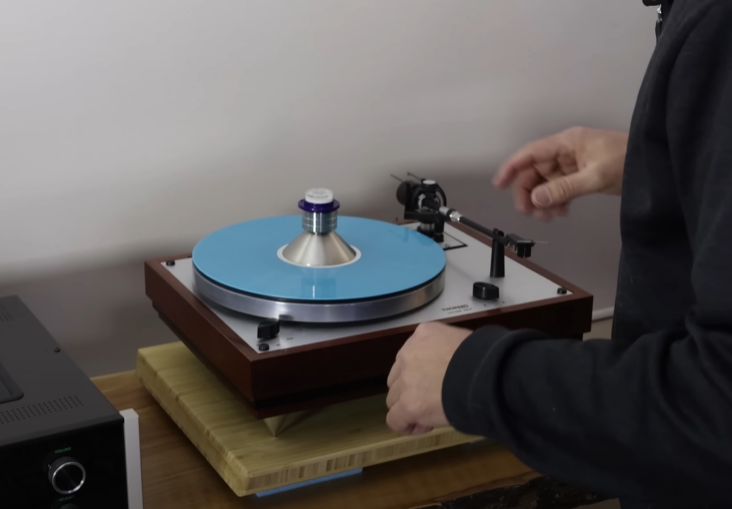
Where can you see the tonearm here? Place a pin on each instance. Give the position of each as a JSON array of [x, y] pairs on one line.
[[425, 201]]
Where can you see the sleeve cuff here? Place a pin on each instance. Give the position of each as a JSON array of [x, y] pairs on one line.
[[459, 405]]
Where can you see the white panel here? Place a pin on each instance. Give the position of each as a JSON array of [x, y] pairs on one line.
[[132, 453]]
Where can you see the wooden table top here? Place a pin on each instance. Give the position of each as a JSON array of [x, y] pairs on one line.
[[176, 476]]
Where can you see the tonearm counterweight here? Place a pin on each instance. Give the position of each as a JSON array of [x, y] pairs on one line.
[[426, 202]]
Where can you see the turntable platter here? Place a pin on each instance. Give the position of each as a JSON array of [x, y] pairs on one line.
[[394, 270]]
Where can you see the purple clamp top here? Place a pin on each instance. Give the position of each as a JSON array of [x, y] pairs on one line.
[[319, 201]]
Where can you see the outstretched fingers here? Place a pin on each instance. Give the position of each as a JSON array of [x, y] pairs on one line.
[[530, 157]]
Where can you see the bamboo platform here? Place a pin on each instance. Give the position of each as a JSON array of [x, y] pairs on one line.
[[253, 456]]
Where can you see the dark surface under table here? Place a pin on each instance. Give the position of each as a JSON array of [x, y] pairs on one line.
[[540, 493]]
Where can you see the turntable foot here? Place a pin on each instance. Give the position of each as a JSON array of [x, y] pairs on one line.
[[280, 423], [275, 423]]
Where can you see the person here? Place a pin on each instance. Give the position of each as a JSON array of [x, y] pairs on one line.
[[647, 416]]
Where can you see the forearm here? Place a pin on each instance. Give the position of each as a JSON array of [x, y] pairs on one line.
[[651, 421]]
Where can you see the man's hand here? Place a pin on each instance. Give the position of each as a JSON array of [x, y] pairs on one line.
[[551, 172], [415, 381]]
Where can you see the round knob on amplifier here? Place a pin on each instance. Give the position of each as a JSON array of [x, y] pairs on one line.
[[66, 475]]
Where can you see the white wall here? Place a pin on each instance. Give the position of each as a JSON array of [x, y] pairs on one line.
[[131, 129]]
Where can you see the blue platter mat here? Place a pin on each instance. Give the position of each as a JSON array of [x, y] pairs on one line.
[[243, 257]]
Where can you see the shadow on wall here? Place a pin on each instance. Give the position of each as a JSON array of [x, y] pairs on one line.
[[101, 316]]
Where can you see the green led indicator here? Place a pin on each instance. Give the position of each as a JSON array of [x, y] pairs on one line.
[[66, 499], [60, 451]]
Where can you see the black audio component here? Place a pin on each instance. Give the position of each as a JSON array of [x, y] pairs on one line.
[[62, 444]]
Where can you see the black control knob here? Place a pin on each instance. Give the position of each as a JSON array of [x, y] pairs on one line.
[[66, 475], [485, 291], [268, 329]]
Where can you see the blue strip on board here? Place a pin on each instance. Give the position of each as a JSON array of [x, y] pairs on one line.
[[310, 482]]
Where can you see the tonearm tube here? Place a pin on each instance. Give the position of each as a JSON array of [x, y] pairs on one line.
[[426, 202]]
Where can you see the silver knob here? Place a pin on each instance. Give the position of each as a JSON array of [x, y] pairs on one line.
[[66, 475]]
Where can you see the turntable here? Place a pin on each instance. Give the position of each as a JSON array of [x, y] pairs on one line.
[[309, 310]]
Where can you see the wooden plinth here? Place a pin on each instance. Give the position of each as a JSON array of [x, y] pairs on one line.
[[244, 451]]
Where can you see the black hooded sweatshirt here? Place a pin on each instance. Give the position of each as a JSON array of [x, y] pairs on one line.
[[646, 417]]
